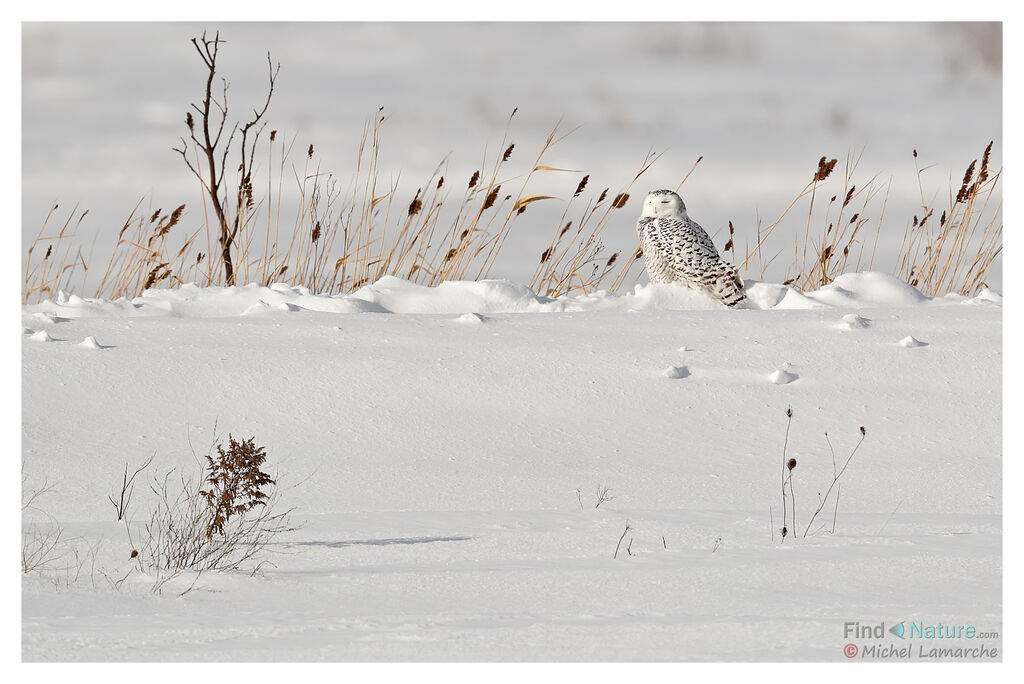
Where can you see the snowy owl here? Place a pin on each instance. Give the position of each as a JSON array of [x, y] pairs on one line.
[[675, 248]]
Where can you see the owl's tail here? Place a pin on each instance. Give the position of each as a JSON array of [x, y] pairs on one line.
[[726, 285]]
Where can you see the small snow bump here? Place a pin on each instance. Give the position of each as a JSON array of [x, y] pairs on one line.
[[27, 331], [852, 322], [676, 372], [684, 348], [41, 336], [471, 319], [987, 295], [45, 317], [259, 307], [782, 377], [286, 306], [89, 343], [910, 342]]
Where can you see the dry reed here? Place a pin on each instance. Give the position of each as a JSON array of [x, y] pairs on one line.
[[345, 234]]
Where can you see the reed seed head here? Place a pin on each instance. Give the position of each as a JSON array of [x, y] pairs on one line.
[[474, 178], [491, 197], [309, 152], [189, 121], [968, 175], [508, 153], [582, 185], [824, 169], [791, 463], [983, 174], [620, 200], [415, 205]]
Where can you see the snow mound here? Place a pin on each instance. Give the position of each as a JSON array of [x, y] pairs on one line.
[[41, 336], [48, 317], [395, 295], [89, 343], [773, 296], [987, 295], [783, 377], [869, 288], [487, 296], [676, 372], [851, 322], [910, 342], [471, 319], [260, 307]]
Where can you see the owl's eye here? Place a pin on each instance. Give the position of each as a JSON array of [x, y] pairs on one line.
[[664, 201]]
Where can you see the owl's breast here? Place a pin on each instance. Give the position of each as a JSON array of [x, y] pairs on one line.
[[659, 268]]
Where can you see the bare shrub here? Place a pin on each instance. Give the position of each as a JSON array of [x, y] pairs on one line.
[[602, 494], [41, 542], [212, 171], [222, 520], [124, 498]]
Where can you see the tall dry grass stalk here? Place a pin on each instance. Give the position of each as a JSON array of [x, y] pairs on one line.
[[333, 235], [346, 234], [954, 253], [952, 256]]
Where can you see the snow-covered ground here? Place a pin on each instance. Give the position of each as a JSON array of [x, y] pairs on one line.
[[443, 449]]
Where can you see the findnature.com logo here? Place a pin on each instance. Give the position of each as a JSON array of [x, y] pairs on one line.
[[934, 641]]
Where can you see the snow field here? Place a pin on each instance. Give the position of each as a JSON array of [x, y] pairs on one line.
[[445, 457]]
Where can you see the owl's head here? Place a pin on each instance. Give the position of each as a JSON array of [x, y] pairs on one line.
[[663, 203]]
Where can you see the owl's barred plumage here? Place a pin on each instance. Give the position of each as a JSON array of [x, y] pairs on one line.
[[676, 248]]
